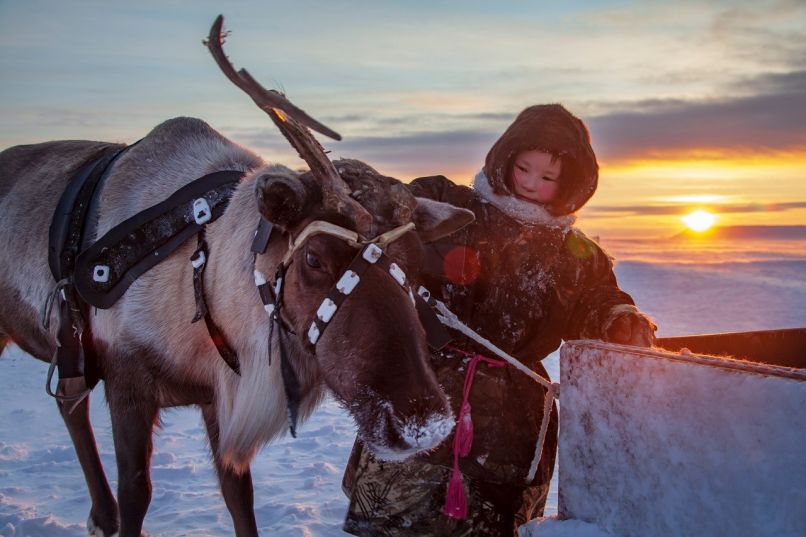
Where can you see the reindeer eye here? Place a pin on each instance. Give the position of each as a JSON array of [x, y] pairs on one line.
[[312, 260]]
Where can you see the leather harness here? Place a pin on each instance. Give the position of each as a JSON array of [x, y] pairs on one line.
[[99, 274]]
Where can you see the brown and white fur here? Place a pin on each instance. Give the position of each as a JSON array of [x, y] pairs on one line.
[[373, 355]]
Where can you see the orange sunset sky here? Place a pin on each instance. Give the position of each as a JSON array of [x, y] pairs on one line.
[[690, 104]]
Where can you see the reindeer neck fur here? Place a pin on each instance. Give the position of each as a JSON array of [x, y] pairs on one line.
[[173, 154], [252, 407]]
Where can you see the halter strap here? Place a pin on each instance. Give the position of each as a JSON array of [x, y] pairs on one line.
[[319, 227], [371, 254]]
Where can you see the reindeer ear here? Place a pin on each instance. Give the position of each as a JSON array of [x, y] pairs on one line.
[[284, 198], [435, 219]]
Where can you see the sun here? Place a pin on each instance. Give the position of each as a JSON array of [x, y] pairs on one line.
[[699, 220]]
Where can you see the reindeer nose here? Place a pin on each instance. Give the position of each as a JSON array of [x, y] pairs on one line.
[[422, 431]]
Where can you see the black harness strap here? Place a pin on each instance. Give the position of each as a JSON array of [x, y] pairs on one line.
[[293, 390], [262, 236], [74, 356], [271, 295], [99, 274], [107, 268], [339, 293], [436, 334], [69, 219], [199, 261]]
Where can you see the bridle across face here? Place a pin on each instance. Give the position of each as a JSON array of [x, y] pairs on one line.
[[370, 252]]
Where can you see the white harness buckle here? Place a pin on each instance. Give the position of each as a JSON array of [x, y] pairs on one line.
[[347, 282], [100, 273], [201, 211], [326, 310], [372, 253], [397, 273], [313, 334]]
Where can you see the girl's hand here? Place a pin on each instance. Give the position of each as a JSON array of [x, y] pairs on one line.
[[631, 328]]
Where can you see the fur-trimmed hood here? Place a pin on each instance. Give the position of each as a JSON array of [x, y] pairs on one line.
[[555, 130], [521, 210]]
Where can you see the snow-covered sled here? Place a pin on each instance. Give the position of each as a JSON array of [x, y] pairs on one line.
[[679, 443]]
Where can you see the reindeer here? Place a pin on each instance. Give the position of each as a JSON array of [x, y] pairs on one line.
[[372, 357]]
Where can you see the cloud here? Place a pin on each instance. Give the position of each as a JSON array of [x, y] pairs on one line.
[[657, 210], [774, 119], [420, 153], [770, 116]]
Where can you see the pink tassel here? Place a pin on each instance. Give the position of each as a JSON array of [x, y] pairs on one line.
[[455, 502], [464, 431]]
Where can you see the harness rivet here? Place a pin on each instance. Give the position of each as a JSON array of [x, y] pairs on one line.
[[198, 260], [100, 273], [372, 253], [313, 334]]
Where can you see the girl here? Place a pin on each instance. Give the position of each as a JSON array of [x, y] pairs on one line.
[[521, 276]]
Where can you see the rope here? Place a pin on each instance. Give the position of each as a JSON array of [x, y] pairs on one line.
[[448, 318], [455, 506], [548, 400], [47, 307]]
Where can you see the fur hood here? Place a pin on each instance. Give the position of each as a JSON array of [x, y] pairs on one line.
[[555, 130], [521, 210]]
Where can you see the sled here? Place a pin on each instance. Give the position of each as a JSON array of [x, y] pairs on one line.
[[705, 436]]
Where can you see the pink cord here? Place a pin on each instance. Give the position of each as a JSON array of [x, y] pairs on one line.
[[455, 501]]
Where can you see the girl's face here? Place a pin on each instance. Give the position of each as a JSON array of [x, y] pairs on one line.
[[535, 176]]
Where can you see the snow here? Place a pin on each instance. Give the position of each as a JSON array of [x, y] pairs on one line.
[[298, 482], [42, 490], [551, 527]]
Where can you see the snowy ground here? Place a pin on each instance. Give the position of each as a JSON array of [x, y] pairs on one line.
[[297, 482]]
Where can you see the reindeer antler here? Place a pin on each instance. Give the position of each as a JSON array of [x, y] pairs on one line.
[[293, 123]]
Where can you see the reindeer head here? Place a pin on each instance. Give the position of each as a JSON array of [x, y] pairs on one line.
[[373, 355]]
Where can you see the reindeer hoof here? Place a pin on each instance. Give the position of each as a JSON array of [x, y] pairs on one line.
[[95, 531]]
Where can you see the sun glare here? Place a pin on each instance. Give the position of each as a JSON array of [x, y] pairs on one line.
[[699, 220]]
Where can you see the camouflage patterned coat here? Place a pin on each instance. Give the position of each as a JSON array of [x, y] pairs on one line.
[[525, 280]]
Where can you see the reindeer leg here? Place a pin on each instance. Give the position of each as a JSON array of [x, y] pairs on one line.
[[236, 489], [104, 511], [134, 414]]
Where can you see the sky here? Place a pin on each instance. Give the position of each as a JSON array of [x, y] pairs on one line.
[[690, 104]]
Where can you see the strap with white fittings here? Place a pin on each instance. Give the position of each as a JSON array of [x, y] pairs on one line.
[[371, 254], [352, 238], [270, 292], [436, 333], [105, 269]]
